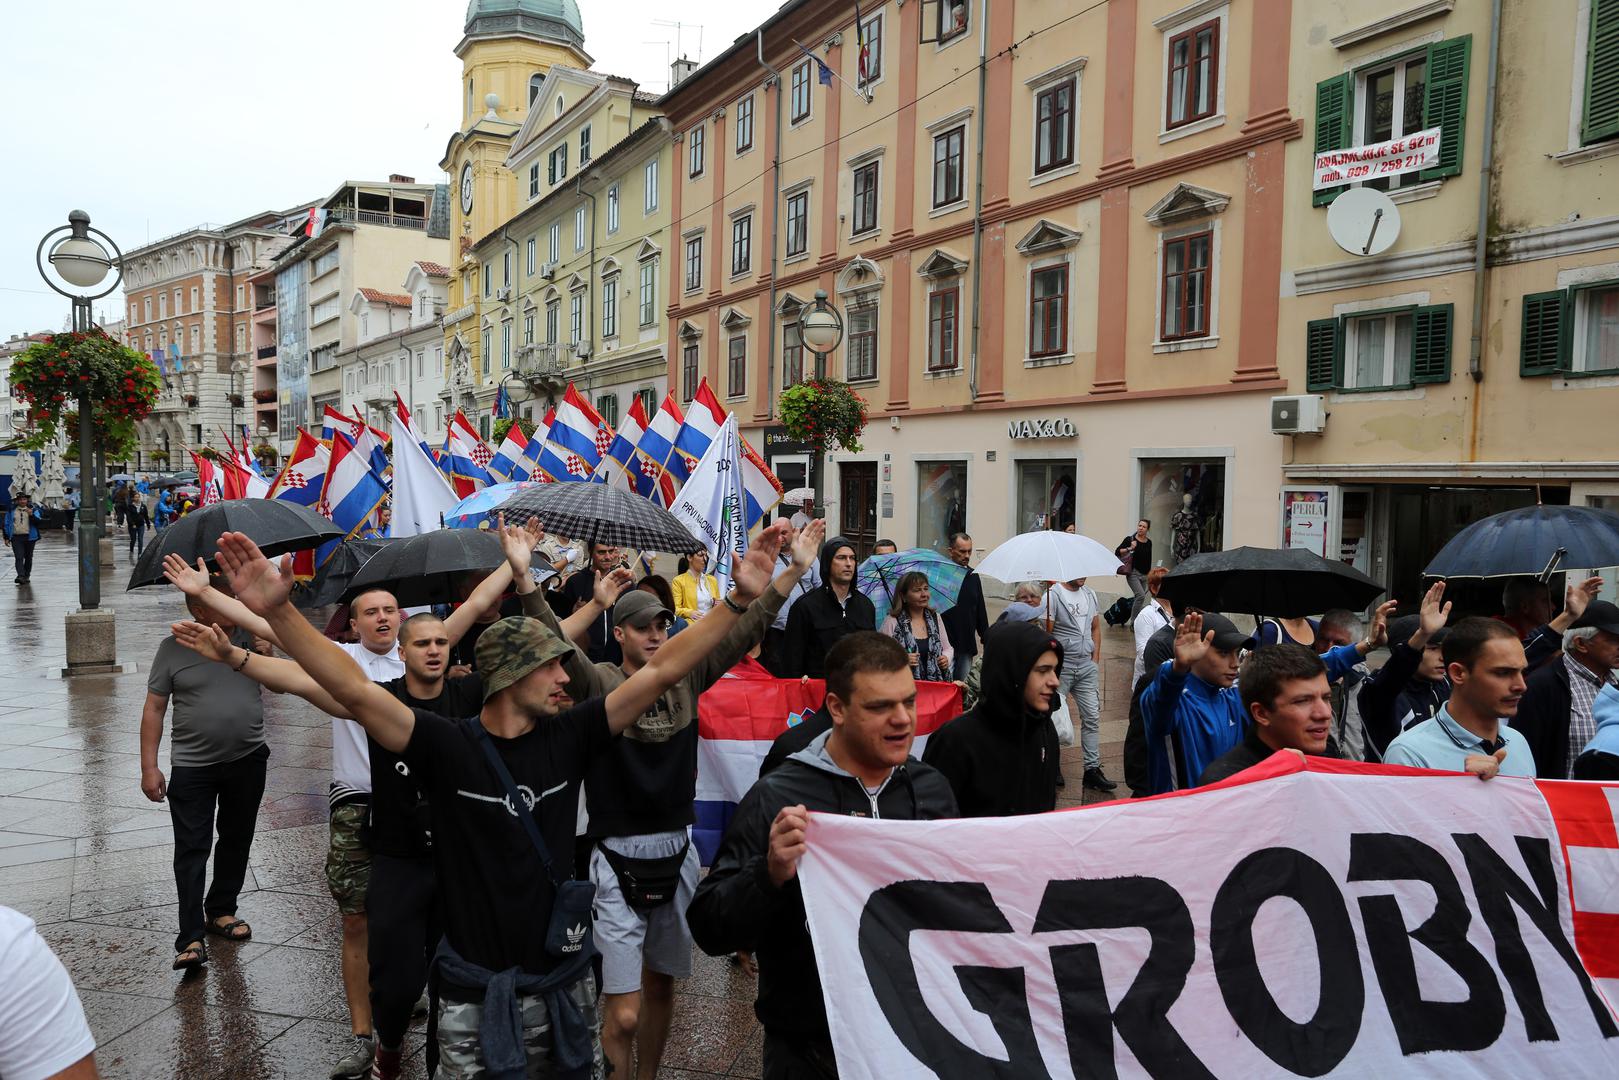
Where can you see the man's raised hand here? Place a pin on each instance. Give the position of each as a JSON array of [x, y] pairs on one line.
[[1576, 598], [751, 573], [807, 543], [1191, 643], [204, 640], [189, 580], [257, 582], [610, 585], [1434, 613], [516, 541], [1378, 633]]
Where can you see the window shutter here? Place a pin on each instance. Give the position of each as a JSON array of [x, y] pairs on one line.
[[1602, 74], [1446, 104], [1547, 332], [1334, 118], [1431, 342], [1323, 352]]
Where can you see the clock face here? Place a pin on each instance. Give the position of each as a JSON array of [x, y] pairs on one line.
[[466, 188]]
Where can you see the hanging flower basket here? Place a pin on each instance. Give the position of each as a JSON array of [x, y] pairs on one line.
[[823, 413], [266, 454], [50, 376], [264, 397]]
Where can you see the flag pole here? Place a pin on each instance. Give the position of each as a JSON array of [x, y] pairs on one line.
[[863, 95]]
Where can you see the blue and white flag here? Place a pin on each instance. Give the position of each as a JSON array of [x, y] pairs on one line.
[[710, 504]]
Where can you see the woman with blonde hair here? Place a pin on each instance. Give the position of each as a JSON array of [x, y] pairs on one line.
[[914, 624]]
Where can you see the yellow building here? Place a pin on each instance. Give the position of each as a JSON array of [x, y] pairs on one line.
[[571, 285], [1472, 365], [506, 51]]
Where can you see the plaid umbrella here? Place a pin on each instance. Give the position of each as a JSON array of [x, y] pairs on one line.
[[274, 525], [602, 514], [425, 569], [879, 576]]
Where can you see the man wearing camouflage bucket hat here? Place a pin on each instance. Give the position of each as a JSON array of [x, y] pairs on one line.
[[498, 896]]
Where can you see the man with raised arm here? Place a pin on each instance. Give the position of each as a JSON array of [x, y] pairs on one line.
[[515, 986], [374, 616]]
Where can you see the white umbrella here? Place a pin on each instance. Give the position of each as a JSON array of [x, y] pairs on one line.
[[798, 496], [1048, 555]]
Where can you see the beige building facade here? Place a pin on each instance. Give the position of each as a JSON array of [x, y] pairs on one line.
[[1473, 365], [1057, 269]]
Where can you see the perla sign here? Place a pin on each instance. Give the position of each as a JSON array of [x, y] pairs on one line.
[[1053, 428]]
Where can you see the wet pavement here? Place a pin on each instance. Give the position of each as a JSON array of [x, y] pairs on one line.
[[86, 856]]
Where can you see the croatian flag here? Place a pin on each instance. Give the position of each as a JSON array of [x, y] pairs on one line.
[[402, 418], [353, 489], [761, 491], [703, 422], [741, 714], [530, 460], [657, 445], [248, 460], [619, 466], [465, 459], [421, 493], [573, 446], [207, 479], [508, 463], [304, 475]]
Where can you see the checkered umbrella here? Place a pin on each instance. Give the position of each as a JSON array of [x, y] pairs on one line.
[[602, 514], [276, 526]]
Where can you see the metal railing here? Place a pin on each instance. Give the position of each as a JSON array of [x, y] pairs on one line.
[[264, 352], [539, 361], [346, 215]]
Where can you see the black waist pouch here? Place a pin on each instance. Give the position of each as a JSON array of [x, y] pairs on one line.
[[647, 883]]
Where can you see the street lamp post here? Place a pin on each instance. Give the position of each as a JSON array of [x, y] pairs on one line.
[[820, 328], [81, 261]]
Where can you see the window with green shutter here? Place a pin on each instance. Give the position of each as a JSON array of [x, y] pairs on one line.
[[1393, 349], [1546, 327], [1601, 117], [1574, 331], [1334, 123], [1446, 104]]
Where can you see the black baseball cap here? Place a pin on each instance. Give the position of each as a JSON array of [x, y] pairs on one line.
[[1601, 615], [1227, 638]]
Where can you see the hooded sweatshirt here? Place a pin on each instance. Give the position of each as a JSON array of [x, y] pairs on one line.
[[1600, 760], [1000, 756], [1205, 720], [1393, 698], [819, 620], [737, 907]]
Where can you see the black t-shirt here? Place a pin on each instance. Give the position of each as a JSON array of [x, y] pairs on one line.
[[1141, 558], [603, 647], [497, 896], [399, 811]]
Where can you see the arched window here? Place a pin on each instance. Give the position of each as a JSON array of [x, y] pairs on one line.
[[559, 104], [534, 82]]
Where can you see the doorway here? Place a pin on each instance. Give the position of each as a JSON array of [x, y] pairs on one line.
[[857, 483], [793, 472]]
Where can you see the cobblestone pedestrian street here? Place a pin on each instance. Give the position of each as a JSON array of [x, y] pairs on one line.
[[86, 855]]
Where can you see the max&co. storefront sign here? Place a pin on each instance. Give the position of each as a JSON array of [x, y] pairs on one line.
[[1051, 428]]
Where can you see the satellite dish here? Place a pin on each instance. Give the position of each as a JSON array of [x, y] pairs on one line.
[[1363, 221]]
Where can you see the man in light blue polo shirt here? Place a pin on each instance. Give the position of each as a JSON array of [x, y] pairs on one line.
[[1486, 666]]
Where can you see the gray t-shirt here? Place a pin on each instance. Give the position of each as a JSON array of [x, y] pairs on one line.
[[218, 713]]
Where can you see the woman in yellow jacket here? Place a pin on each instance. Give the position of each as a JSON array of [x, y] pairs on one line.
[[695, 592]]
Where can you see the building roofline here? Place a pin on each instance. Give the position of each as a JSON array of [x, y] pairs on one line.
[[744, 41]]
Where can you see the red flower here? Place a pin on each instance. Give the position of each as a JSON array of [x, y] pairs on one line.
[[64, 353]]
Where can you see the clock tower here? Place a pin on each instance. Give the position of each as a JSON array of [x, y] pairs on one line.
[[505, 52]]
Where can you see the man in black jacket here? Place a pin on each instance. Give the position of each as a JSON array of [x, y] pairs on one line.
[[967, 622], [750, 899], [1411, 687], [1555, 713], [822, 617], [1000, 756], [1288, 703]]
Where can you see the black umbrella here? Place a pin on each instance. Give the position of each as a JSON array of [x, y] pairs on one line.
[[1530, 541], [331, 581], [601, 514], [421, 570], [1286, 584], [275, 525]]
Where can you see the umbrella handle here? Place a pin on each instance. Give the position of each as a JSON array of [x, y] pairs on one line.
[[1552, 564]]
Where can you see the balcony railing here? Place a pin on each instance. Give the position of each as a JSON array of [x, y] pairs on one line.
[[346, 215], [264, 352], [539, 361], [262, 302]]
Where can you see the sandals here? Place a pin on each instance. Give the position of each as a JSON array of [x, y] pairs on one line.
[[228, 930], [192, 956]]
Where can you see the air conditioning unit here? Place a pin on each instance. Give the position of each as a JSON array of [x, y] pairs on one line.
[[1305, 414], [503, 293], [582, 350], [548, 270]]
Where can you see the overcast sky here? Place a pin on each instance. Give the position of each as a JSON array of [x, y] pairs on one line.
[[157, 116]]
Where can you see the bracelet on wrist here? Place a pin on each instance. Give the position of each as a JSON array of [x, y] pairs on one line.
[[246, 654], [733, 605]]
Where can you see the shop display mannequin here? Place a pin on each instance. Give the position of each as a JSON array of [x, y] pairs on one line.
[[1185, 526]]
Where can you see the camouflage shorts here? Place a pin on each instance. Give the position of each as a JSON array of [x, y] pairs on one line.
[[459, 1056], [348, 860]]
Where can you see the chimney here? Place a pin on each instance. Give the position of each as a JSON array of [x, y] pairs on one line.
[[400, 178], [680, 70]]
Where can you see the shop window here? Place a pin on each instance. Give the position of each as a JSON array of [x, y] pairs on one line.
[[1574, 331], [1045, 494], [1422, 90], [1380, 350], [941, 502], [1184, 499]]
